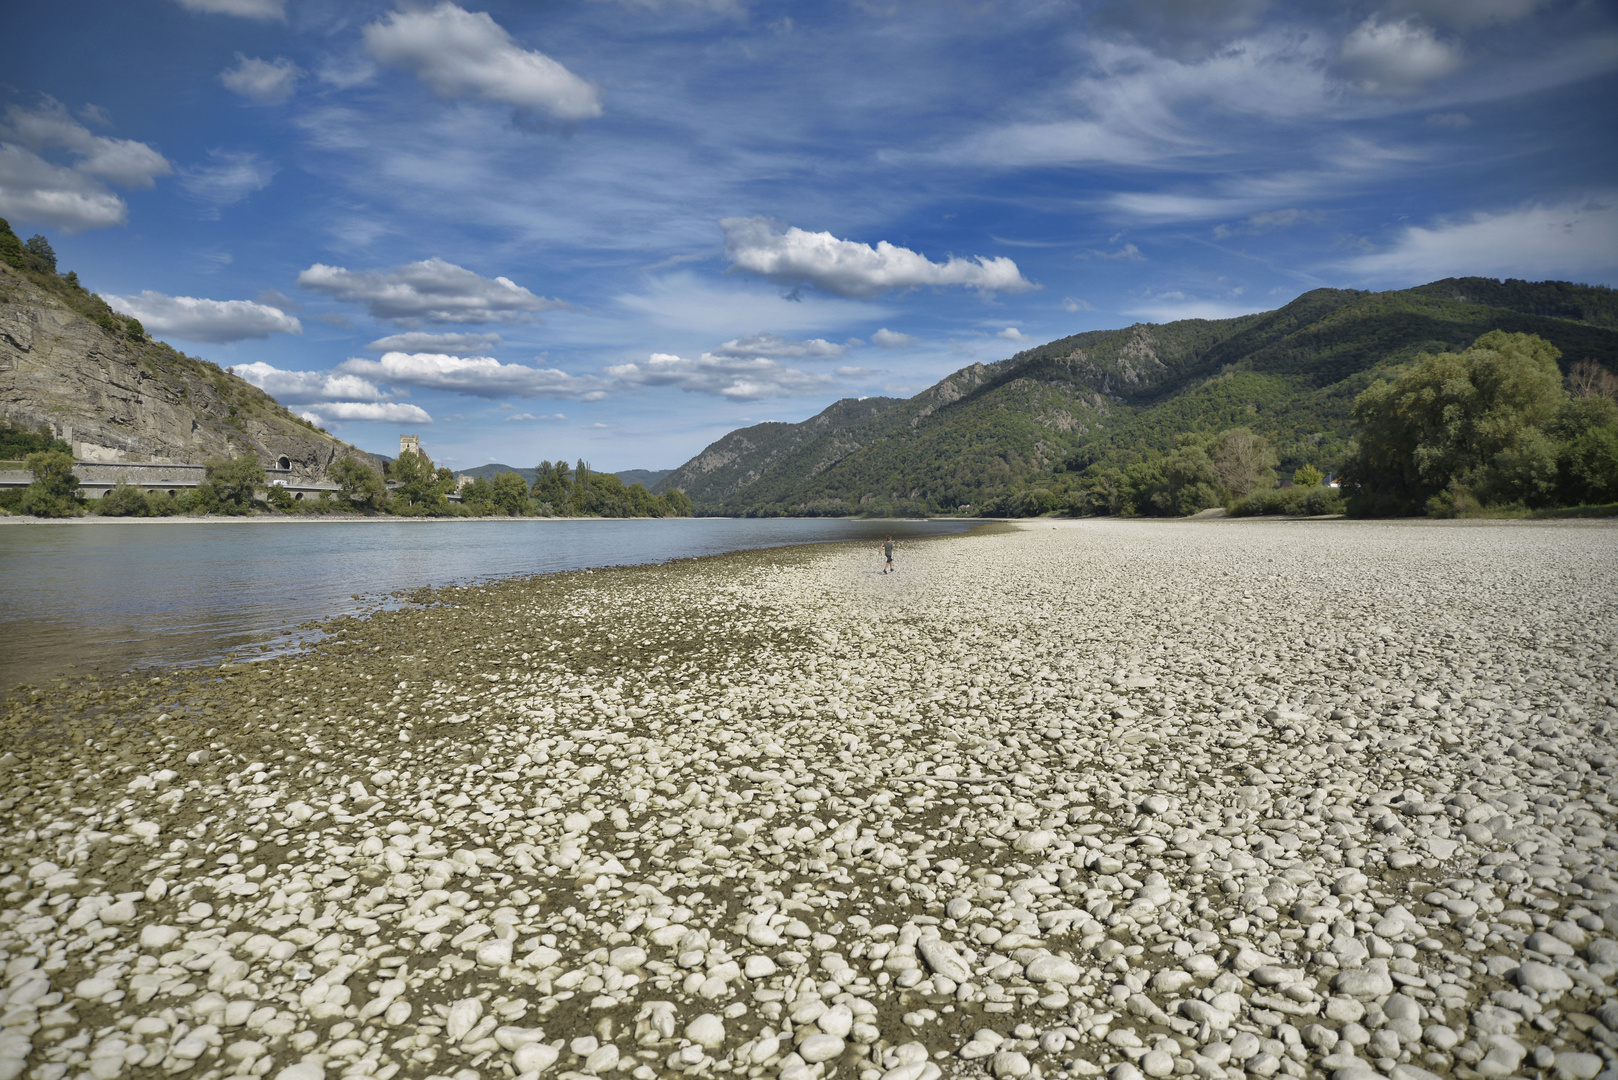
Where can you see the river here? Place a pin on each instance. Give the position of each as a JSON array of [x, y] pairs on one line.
[[110, 596]]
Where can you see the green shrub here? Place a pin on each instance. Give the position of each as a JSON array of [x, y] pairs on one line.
[[55, 490], [162, 504], [123, 500]]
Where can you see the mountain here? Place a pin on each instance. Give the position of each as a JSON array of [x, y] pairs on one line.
[[69, 363], [648, 477], [1110, 395]]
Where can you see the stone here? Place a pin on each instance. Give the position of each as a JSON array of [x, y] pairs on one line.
[[942, 959], [1576, 1065], [821, 1047], [534, 1057], [1010, 1063], [707, 1031], [1542, 978], [1363, 984]]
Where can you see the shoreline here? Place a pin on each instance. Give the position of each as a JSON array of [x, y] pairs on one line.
[[772, 813], [245, 519]]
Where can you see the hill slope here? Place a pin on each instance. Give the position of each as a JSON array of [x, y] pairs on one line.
[[66, 362], [1290, 374]]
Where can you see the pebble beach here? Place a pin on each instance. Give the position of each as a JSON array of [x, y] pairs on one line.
[[1223, 799]]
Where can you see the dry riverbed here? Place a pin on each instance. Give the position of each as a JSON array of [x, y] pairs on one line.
[[1213, 799]]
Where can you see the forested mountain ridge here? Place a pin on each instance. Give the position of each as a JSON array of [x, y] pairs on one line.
[[1111, 395]]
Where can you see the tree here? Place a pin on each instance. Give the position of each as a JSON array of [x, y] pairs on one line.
[[420, 490], [234, 482], [1468, 424], [1307, 476], [1590, 379], [41, 254], [508, 494], [11, 249], [134, 327], [55, 490], [553, 485], [1587, 457], [359, 484], [1243, 461]]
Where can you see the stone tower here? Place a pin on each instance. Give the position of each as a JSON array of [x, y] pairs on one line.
[[409, 444]]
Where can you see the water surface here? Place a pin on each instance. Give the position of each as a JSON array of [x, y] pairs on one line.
[[116, 595]]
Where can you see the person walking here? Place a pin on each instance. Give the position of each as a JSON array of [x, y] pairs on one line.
[[887, 553]]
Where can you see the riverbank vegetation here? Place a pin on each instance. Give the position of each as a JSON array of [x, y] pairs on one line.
[[411, 487]]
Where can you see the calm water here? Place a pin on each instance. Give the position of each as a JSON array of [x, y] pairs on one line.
[[115, 596]]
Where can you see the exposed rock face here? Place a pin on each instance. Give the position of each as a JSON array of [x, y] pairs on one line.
[[114, 398]]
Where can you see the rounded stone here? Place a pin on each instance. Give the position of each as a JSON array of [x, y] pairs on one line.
[[821, 1047], [1157, 1063], [707, 1031], [1011, 1063]]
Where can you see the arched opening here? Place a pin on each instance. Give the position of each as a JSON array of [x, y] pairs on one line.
[[298, 496], [283, 462]]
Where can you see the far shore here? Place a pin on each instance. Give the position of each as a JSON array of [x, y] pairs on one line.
[[250, 519]]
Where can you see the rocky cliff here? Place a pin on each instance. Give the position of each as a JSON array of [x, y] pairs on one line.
[[117, 395]]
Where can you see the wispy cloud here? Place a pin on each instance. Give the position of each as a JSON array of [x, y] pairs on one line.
[[267, 82], [1575, 237], [738, 379], [228, 177], [480, 376], [417, 341], [264, 10]]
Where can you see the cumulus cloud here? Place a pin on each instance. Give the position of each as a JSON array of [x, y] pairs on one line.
[[736, 378], [228, 177], [480, 376], [755, 245], [268, 82], [119, 161], [1396, 59], [246, 9], [459, 54], [303, 387], [432, 289], [393, 412], [32, 189], [891, 339], [415, 341], [1011, 333], [195, 319], [773, 345], [1575, 239]]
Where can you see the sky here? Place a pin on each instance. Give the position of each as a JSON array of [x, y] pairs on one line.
[[618, 229]]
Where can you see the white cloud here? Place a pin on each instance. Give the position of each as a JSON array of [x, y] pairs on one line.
[[1265, 222], [728, 377], [891, 339], [480, 376], [777, 347], [32, 189], [1074, 303], [119, 161], [196, 319], [523, 417], [307, 386], [848, 268], [229, 177], [1396, 59], [432, 289], [1170, 306], [392, 412], [1127, 253], [416, 341], [722, 7], [268, 82], [457, 53], [1575, 239], [1011, 333], [247, 9]]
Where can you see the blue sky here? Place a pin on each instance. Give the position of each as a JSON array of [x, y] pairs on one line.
[[617, 229]]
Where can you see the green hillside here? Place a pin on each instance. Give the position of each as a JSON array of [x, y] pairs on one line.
[[1110, 396]]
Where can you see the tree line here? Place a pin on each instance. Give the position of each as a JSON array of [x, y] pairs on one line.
[[408, 487]]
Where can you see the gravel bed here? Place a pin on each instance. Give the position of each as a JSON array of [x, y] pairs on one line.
[[1218, 799]]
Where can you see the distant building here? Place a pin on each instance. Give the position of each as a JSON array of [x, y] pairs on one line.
[[410, 444]]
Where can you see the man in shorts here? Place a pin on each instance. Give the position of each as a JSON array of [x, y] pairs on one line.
[[887, 553]]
